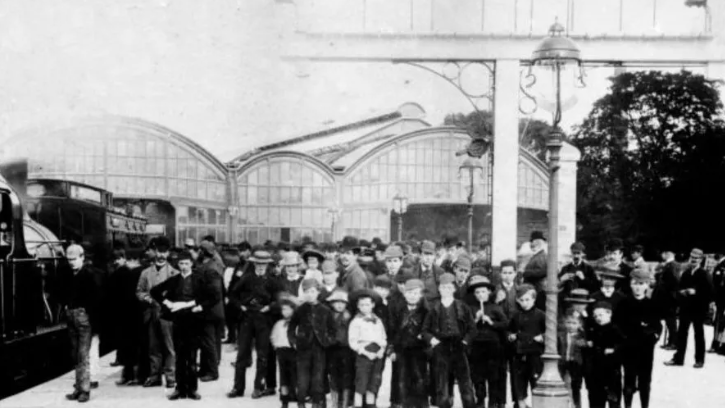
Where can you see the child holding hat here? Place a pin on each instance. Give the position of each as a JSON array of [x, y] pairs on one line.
[[368, 340], [485, 358]]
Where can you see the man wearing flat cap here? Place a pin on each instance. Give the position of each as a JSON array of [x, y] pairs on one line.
[[577, 274], [535, 271], [695, 294], [428, 272]]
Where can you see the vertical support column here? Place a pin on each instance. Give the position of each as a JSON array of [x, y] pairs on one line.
[[566, 207], [506, 161]]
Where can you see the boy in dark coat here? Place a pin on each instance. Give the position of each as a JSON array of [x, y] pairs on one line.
[[506, 298], [311, 331], [526, 330], [449, 329], [340, 358], [605, 340], [485, 358], [409, 348], [639, 321]]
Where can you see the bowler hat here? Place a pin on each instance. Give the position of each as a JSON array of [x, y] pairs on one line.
[[382, 281], [337, 296], [537, 235], [602, 304], [578, 296], [313, 253], [261, 257], [463, 261], [615, 244], [162, 244], [290, 258], [349, 243], [184, 256], [310, 283], [478, 281]]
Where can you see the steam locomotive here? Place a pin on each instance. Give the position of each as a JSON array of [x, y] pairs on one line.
[[34, 229]]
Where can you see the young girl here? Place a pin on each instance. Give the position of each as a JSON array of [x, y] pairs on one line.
[[313, 259]]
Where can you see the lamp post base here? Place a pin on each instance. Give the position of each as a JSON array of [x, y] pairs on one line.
[[551, 391]]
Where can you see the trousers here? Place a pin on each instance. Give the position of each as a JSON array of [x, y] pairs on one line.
[[211, 347], [161, 349], [287, 359], [311, 368], [79, 329], [254, 330], [637, 364], [697, 322], [450, 359], [573, 374], [340, 366], [368, 374], [187, 336], [485, 362], [526, 371], [413, 378]]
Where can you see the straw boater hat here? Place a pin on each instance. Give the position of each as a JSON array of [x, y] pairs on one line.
[[261, 257], [580, 296], [291, 258], [608, 270], [478, 281]]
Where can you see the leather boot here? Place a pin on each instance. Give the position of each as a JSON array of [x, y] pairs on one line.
[[644, 398], [628, 397]]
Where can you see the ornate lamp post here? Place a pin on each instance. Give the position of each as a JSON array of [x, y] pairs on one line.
[[467, 173], [400, 206], [554, 53]]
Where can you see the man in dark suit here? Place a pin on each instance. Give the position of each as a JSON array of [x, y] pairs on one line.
[[535, 270], [577, 274], [615, 253], [208, 265], [665, 296], [695, 294], [186, 297]]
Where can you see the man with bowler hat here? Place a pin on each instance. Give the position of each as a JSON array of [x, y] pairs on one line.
[[253, 295], [695, 294], [535, 271]]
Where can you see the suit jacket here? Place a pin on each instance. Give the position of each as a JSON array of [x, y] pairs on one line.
[[430, 280], [212, 272], [698, 303], [150, 278], [312, 323], [254, 292], [354, 278], [406, 329], [535, 271], [590, 281], [431, 327], [666, 284], [640, 322], [578, 341], [203, 292]]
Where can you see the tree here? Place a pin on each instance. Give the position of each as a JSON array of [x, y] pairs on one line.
[[533, 133], [645, 145]]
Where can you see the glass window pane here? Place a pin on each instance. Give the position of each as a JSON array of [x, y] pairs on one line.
[[263, 197], [263, 215], [252, 195], [252, 178], [273, 216], [307, 195], [274, 195], [296, 216], [318, 219], [284, 216], [306, 176], [307, 217], [274, 176], [263, 175]]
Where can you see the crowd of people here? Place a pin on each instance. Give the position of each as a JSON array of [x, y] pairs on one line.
[[323, 321]]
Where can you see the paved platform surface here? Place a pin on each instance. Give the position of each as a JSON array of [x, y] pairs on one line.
[[676, 387]]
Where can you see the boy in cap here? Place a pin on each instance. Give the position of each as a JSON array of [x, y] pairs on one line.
[[462, 271], [409, 348], [186, 296], [330, 278], [286, 355], [340, 358], [428, 271], [485, 358], [638, 318], [393, 260], [605, 340], [311, 330], [506, 298], [610, 277], [579, 302], [526, 331], [449, 329], [368, 340]]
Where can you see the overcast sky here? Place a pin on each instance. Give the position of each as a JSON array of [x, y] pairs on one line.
[[207, 69]]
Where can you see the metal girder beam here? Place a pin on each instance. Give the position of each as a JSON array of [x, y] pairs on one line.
[[629, 50]]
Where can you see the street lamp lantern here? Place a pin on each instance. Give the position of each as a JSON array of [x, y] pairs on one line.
[[555, 53], [400, 207], [468, 172]]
